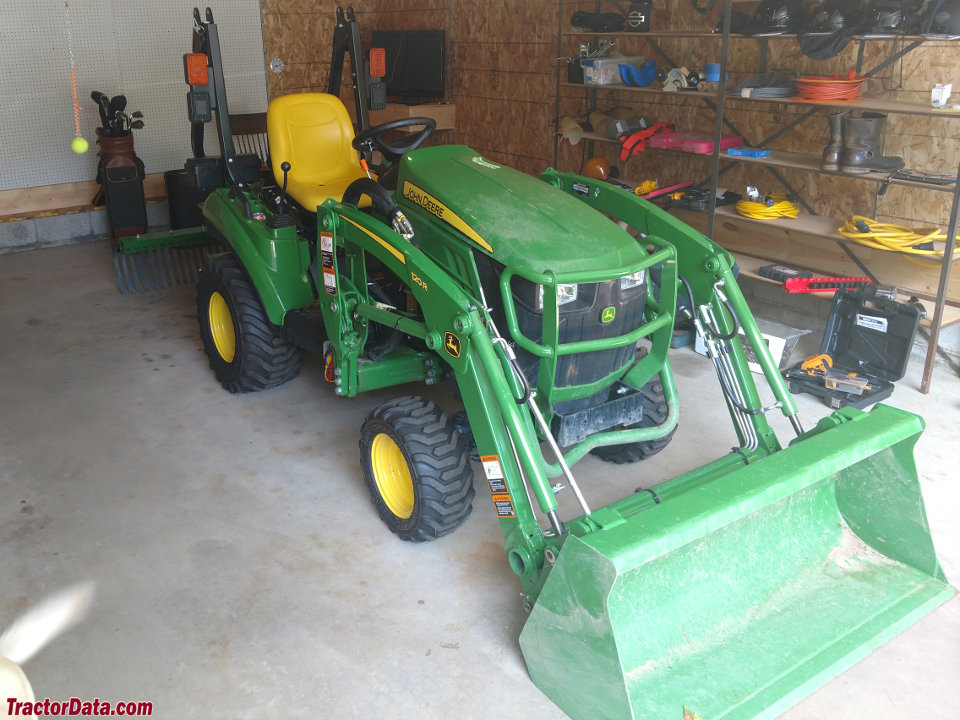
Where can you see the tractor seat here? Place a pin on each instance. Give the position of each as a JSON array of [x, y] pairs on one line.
[[312, 132]]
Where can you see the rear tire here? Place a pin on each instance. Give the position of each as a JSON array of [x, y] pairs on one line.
[[246, 351], [654, 413], [416, 467]]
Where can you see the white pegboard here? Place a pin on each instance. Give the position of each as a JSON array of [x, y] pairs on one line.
[[119, 47]]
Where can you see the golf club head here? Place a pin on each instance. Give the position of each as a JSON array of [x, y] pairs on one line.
[[103, 105], [118, 103]]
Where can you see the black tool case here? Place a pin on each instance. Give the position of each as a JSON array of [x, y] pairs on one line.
[[866, 334]]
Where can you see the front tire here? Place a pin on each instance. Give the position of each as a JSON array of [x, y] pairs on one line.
[[416, 467], [246, 351]]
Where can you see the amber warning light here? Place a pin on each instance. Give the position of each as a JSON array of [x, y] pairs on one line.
[[378, 62], [195, 65]]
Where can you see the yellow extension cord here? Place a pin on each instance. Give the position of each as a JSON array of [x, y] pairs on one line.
[[761, 211], [895, 238]]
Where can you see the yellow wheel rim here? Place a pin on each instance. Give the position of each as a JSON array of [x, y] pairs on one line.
[[392, 475], [221, 327]]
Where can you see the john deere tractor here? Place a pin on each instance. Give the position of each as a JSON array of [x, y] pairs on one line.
[[731, 590]]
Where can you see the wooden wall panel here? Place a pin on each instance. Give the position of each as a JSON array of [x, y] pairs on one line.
[[299, 32], [503, 67]]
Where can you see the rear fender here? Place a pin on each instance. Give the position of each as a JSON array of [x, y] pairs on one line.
[[276, 259]]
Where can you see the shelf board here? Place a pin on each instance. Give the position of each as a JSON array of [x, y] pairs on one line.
[[749, 266], [811, 163], [878, 104], [796, 161], [733, 36], [644, 35], [812, 242]]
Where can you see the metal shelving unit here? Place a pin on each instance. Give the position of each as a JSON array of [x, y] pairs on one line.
[[721, 162]]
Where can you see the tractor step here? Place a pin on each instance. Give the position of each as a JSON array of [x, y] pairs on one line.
[[305, 328]]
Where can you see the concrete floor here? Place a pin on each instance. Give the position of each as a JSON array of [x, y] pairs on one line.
[[241, 569]]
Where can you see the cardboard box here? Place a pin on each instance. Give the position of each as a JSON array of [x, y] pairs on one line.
[[780, 338]]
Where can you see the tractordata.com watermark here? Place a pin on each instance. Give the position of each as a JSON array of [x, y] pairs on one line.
[[75, 707]]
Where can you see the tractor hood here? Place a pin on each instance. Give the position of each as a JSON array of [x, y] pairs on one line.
[[515, 218]]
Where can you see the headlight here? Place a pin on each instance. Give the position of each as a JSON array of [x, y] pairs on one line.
[[565, 294], [632, 280]]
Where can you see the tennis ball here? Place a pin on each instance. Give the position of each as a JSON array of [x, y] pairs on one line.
[[79, 145]]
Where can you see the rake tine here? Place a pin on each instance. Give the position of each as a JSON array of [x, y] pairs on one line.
[[161, 259], [151, 270], [183, 263], [135, 270], [173, 255], [128, 273], [157, 256], [148, 274], [197, 256], [157, 269], [166, 265], [116, 266]]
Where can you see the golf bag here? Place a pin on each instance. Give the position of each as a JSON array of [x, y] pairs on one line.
[[120, 174]]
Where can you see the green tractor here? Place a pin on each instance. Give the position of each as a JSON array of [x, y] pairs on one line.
[[730, 591]]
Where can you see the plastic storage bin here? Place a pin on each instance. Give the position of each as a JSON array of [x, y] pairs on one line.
[[693, 142], [606, 71]]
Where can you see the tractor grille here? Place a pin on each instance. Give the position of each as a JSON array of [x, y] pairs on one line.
[[579, 320], [582, 320]]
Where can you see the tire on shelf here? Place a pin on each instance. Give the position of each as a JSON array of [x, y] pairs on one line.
[[245, 350], [416, 466], [654, 413]]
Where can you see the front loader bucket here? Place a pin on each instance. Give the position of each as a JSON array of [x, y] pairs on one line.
[[742, 590]]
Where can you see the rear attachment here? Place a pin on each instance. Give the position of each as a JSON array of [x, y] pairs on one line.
[[162, 259]]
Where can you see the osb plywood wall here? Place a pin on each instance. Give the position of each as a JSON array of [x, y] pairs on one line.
[[502, 57]]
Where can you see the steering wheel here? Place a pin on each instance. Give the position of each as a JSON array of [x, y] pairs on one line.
[[370, 139]]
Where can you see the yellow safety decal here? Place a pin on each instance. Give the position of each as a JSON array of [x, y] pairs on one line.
[[451, 343], [393, 251], [429, 203], [498, 488]]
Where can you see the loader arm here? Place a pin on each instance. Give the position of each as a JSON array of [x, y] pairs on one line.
[[456, 331]]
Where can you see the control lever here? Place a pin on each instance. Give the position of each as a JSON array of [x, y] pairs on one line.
[[281, 219], [285, 166]]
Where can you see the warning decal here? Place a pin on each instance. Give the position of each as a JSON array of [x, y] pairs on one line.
[[498, 488], [503, 506], [329, 281], [494, 474]]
